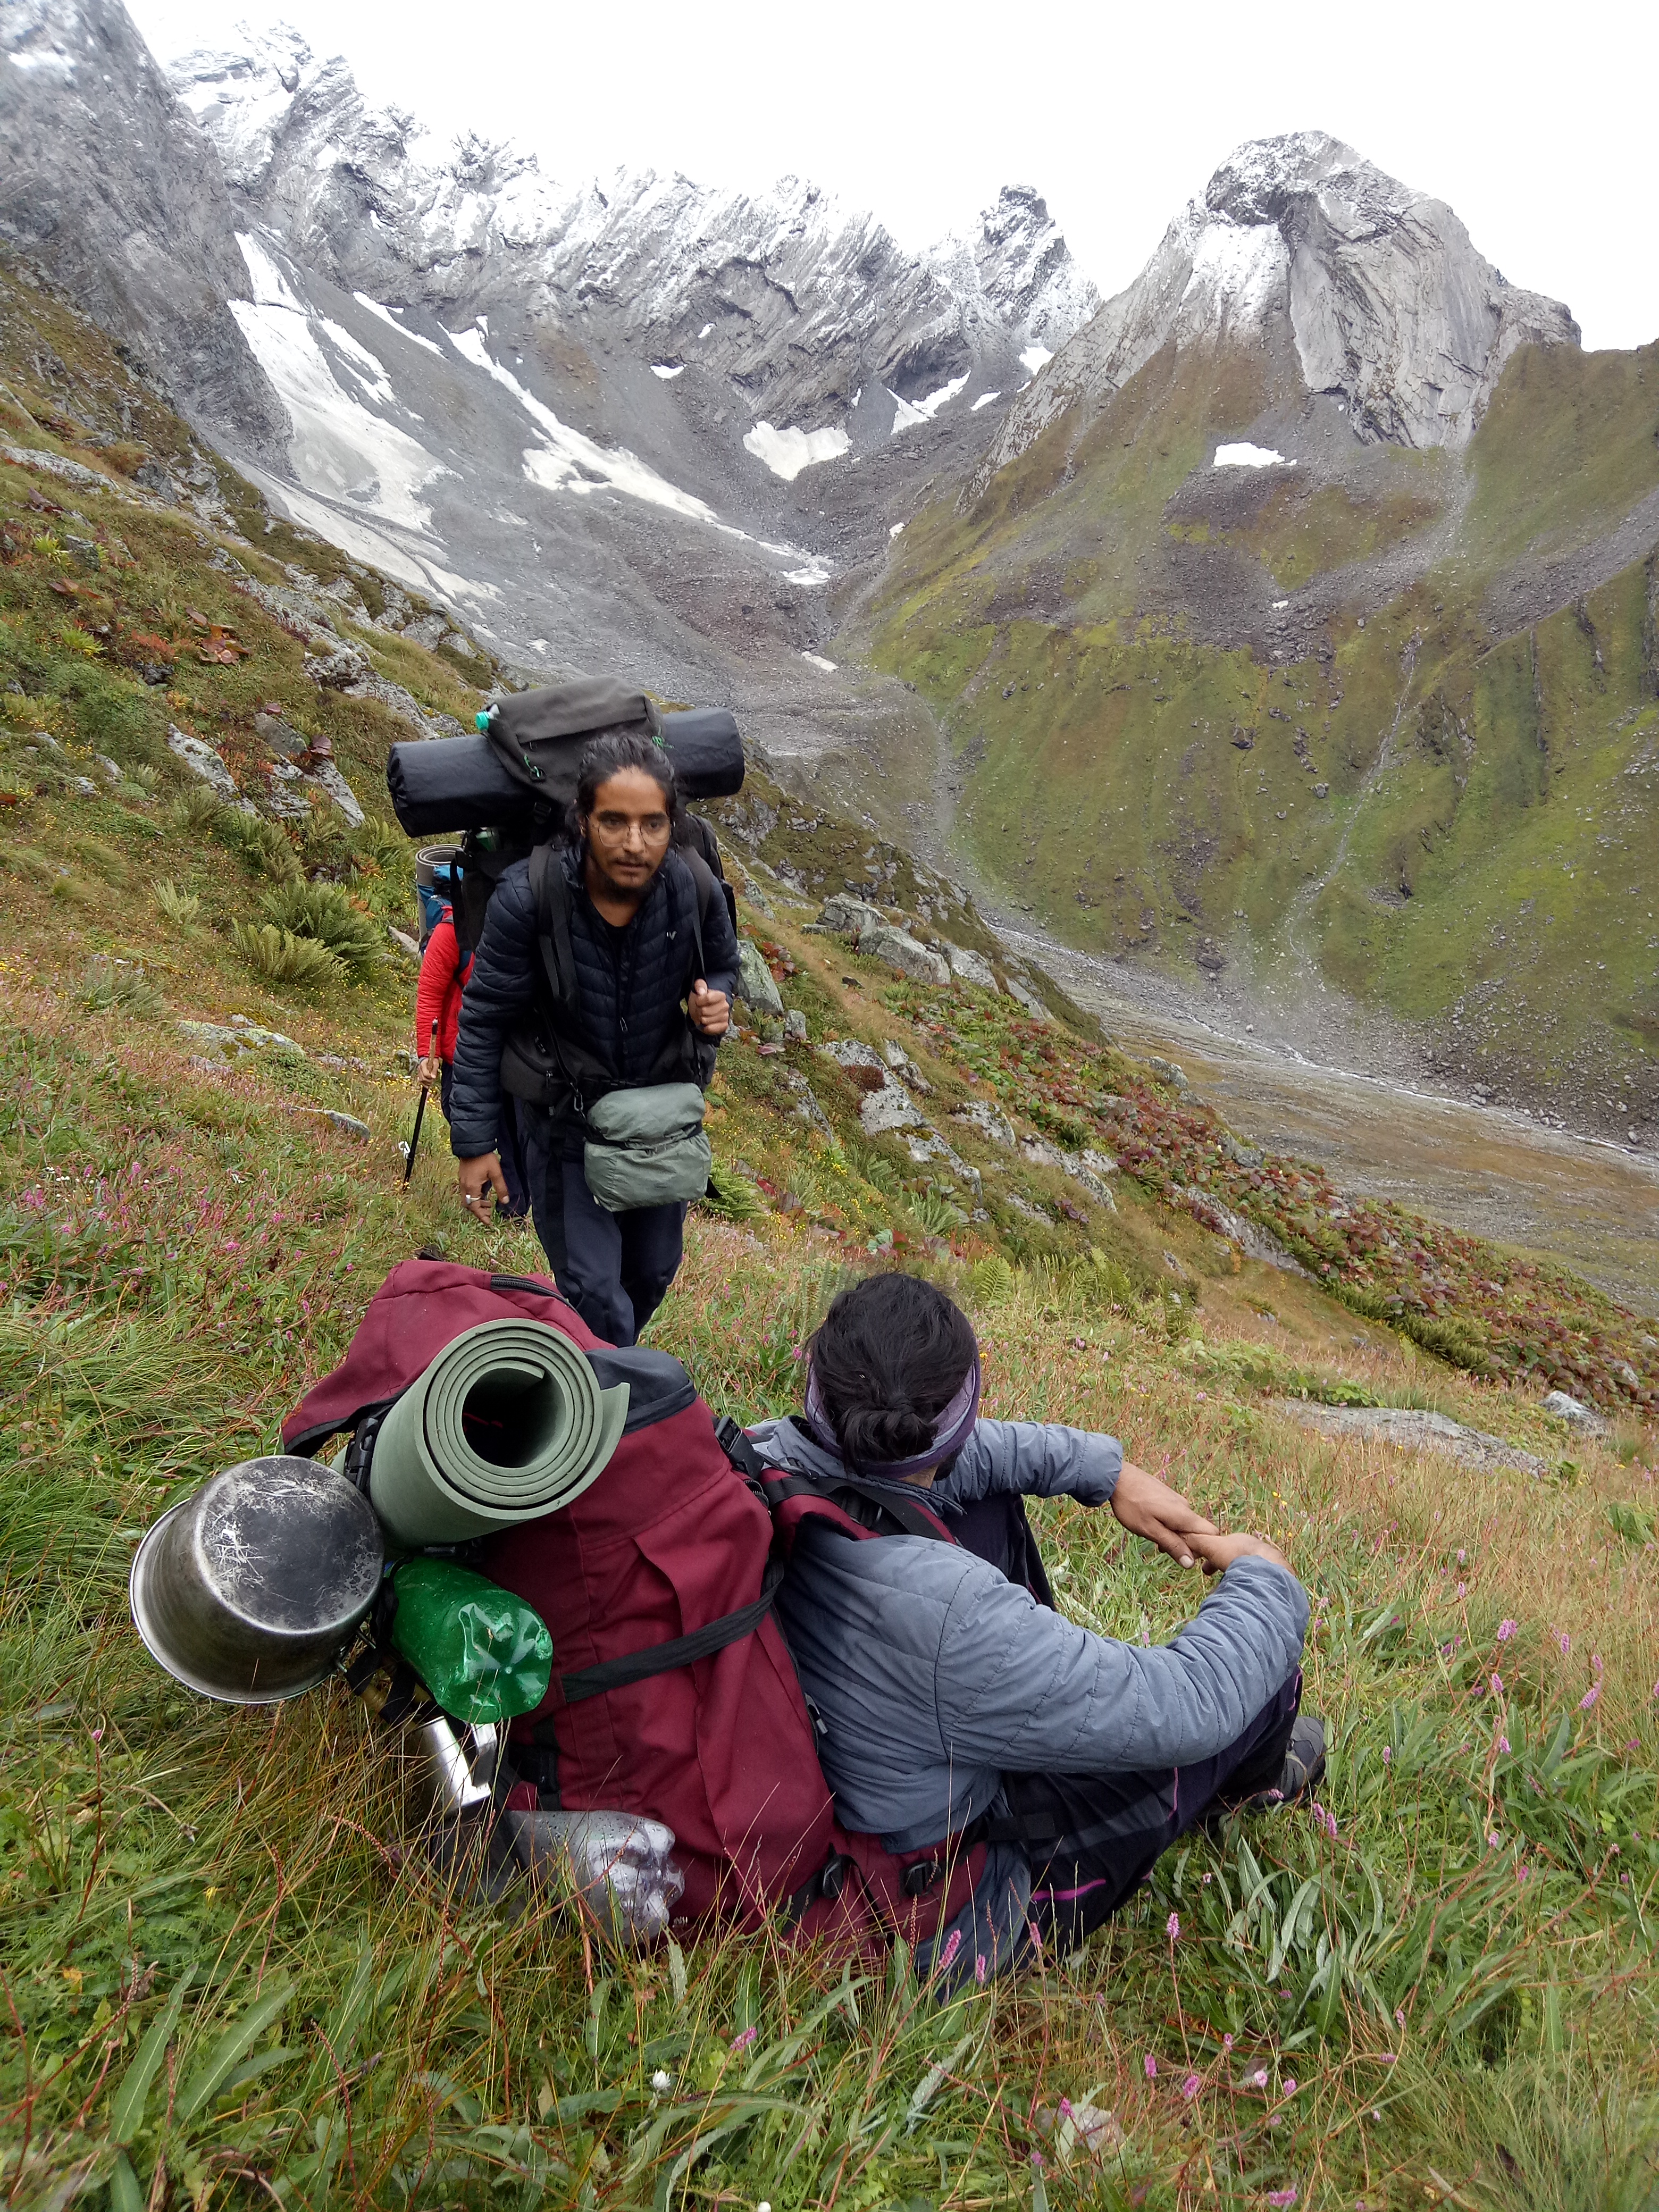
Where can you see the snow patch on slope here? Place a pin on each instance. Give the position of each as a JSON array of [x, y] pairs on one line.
[[385, 315], [787, 452], [567, 461], [1245, 456], [338, 448]]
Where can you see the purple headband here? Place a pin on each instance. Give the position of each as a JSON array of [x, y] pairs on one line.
[[952, 1429]]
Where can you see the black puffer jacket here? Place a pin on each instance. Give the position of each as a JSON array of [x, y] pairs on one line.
[[631, 983]]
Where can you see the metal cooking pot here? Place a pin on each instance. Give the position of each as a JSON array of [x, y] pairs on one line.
[[250, 1590]]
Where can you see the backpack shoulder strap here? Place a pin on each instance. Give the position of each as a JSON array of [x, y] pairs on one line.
[[552, 895], [704, 890], [776, 1486]]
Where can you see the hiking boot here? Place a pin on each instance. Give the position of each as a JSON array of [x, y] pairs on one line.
[[1304, 1767]]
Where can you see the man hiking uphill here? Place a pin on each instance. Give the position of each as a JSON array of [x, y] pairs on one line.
[[950, 1703], [597, 995]]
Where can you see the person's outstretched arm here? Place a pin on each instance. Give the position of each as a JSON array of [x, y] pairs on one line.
[[1043, 1460], [1023, 1688]]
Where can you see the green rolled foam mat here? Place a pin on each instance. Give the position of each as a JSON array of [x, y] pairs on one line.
[[507, 1424]]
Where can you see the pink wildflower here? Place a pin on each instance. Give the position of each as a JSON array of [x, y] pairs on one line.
[[1498, 1686], [1565, 1643], [1226, 2042], [1504, 1745], [1190, 2087], [744, 2037], [1150, 2064], [1259, 2077], [1065, 2108], [1172, 1926], [1505, 1630], [1590, 1697], [1289, 2085], [1280, 2197], [979, 1968]]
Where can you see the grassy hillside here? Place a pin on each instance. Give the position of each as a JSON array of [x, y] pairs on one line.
[[230, 1975], [1433, 781]]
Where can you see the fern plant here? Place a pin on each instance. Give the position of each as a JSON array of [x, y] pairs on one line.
[[118, 983], [180, 907], [282, 957], [323, 913]]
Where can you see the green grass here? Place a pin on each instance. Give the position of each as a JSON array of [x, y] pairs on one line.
[[230, 1975]]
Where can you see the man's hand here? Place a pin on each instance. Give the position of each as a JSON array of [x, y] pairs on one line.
[[426, 1072], [710, 1011], [477, 1178], [1150, 1509], [1219, 1552]]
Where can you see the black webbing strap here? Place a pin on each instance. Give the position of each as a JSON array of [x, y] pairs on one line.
[[773, 1486], [679, 1651], [914, 1520]]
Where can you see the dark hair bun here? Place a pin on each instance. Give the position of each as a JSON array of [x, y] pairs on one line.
[[889, 1356]]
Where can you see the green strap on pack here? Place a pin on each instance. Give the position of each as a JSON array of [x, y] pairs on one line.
[[484, 1655]]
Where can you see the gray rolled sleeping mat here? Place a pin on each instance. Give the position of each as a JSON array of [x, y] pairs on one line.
[[509, 1422]]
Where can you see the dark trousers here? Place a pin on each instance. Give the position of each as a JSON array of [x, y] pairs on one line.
[[1091, 1839], [509, 1146], [615, 1268]]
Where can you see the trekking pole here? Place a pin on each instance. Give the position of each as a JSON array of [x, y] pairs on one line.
[[420, 1112]]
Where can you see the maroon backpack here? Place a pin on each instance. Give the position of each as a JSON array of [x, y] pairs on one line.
[[673, 1693]]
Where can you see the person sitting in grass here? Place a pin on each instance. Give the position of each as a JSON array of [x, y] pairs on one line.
[[955, 1707]]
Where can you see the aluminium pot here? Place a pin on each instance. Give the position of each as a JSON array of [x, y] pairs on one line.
[[252, 1590]]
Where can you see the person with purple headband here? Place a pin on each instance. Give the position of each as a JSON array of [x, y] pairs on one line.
[[956, 1705]]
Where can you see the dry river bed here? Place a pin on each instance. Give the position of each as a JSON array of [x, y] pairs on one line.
[[1483, 1169]]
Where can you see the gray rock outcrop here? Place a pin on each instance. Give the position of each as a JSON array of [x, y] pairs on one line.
[[756, 986], [901, 951], [1410, 1430], [110, 186], [1389, 309]]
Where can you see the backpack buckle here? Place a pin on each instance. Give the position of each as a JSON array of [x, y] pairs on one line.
[[922, 1877]]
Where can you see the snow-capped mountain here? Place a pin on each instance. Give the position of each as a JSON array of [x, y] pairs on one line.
[[1392, 314], [810, 313]]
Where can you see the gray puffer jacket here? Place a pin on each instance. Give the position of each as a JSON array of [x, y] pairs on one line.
[[933, 1675]]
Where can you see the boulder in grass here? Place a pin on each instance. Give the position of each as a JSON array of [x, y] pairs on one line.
[[968, 967], [200, 757], [850, 917], [901, 951], [1028, 998], [990, 1121], [1576, 1413], [890, 1108], [756, 986]]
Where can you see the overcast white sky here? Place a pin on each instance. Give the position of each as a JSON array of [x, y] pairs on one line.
[[1536, 127]]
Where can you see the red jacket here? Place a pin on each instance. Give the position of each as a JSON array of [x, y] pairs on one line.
[[438, 995]]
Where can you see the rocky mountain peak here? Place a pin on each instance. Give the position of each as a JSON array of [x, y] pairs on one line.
[[1370, 292], [1259, 179]]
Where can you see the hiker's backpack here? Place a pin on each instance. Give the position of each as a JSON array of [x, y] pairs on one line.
[[673, 1694], [513, 788]]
